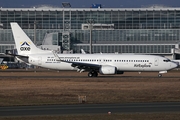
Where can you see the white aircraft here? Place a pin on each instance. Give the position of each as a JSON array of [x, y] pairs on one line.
[[106, 64], [1, 59]]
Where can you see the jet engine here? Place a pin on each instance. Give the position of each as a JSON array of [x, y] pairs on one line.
[[108, 70]]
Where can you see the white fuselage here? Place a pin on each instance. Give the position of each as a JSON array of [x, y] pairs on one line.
[[94, 63], [121, 62]]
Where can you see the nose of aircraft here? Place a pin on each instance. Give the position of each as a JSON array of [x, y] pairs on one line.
[[174, 64]]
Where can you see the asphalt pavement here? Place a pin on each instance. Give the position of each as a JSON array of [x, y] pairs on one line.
[[90, 109]]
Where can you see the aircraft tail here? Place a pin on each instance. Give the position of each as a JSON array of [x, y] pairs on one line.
[[1, 59], [24, 45]]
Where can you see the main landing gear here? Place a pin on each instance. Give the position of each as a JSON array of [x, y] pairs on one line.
[[92, 74]]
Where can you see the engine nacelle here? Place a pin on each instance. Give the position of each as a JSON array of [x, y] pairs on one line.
[[108, 70]]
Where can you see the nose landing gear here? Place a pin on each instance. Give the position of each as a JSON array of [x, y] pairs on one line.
[[159, 75], [161, 72]]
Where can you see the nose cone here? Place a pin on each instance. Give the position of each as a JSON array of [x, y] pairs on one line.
[[174, 64]]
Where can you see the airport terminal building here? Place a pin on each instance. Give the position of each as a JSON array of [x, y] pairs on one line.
[[153, 30]]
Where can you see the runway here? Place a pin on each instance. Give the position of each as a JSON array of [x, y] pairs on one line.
[[53, 74], [99, 77], [90, 109]]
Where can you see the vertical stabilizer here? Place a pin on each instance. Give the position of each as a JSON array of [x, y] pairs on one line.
[[1, 59], [23, 43]]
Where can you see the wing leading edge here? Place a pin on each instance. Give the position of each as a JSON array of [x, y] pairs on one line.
[[79, 65]]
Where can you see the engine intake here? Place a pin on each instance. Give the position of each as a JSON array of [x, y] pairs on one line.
[[108, 70]]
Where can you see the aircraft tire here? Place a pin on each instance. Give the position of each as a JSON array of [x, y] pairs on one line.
[[95, 74], [160, 75], [92, 74]]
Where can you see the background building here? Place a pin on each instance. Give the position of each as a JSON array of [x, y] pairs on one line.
[[122, 30]]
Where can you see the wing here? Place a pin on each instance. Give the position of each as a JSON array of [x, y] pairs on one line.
[[84, 66], [79, 65]]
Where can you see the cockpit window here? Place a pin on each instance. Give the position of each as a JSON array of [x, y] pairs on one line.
[[167, 60]]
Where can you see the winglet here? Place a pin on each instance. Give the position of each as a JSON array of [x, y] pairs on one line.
[[56, 56]]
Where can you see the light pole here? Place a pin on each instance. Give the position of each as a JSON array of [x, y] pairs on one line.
[[90, 23]]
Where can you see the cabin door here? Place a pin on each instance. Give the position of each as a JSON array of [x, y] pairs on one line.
[[156, 61], [39, 60]]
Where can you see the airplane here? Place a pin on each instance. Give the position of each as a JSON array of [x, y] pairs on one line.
[[1, 59], [83, 52], [2, 66], [94, 64]]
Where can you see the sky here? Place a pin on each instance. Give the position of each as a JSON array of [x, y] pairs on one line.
[[87, 3]]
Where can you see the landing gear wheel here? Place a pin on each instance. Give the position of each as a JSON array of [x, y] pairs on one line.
[[160, 75], [92, 74], [95, 74]]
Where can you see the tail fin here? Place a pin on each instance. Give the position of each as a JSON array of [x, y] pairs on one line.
[[23, 43], [1, 59]]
